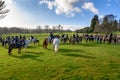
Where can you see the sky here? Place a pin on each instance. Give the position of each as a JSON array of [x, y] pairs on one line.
[[71, 14]]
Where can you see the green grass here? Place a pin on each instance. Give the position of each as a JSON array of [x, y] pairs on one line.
[[89, 61]]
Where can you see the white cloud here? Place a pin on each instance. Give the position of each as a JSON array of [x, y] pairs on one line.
[[15, 17], [49, 3], [71, 27], [101, 16], [66, 27], [62, 6], [90, 6], [68, 8]]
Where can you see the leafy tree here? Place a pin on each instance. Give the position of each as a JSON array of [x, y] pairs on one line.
[[38, 29], [98, 28], [58, 28], [109, 23], [115, 25], [119, 25], [94, 21], [54, 29], [84, 30], [46, 28], [3, 11]]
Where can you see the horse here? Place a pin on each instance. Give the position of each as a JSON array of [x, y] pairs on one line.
[[16, 46], [105, 38], [64, 39], [4, 42], [19, 46], [0, 39], [118, 39], [75, 40], [35, 41], [27, 42], [72, 40], [45, 43], [56, 42]]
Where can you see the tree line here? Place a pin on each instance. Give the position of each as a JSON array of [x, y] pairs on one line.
[[107, 24], [38, 29]]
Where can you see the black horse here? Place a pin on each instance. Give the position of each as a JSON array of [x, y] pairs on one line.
[[15, 46], [64, 39]]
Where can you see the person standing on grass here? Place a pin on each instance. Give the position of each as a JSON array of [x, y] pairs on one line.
[[56, 42]]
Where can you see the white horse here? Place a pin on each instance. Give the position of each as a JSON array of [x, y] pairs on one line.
[[56, 42], [27, 42], [35, 40]]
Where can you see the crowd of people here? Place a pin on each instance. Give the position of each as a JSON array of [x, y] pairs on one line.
[[64, 38]]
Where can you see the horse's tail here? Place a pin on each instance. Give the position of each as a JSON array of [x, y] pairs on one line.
[[9, 50], [38, 42]]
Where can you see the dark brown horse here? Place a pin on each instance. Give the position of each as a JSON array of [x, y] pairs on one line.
[[45, 43], [16, 46], [48, 40]]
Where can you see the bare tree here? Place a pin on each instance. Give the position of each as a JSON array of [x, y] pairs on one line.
[[61, 29], [3, 11], [58, 28], [46, 28], [54, 29], [38, 29]]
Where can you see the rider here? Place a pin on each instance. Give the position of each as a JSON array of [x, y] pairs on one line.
[[17, 41], [73, 35], [110, 37], [51, 36], [77, 37]]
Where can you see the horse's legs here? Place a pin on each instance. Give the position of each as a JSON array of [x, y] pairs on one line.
[[10, 50], [34, 43], [38, 42], [53, 47], [45, 43], [19, 49], [77, 42], [45, 46], [25, 47], [2, 44]]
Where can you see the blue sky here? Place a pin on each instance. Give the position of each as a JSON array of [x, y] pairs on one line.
[[71, 14]]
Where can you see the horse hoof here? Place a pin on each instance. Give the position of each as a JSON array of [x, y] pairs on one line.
[[9, 54], [19, 52]]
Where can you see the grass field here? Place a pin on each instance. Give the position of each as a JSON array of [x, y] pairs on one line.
[[89, 61]]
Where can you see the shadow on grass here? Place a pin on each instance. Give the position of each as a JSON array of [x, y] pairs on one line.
[[30, 55], [36, 53], [79, 55], [73, 53], [88, 44], [31, 46], [70, 50]]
